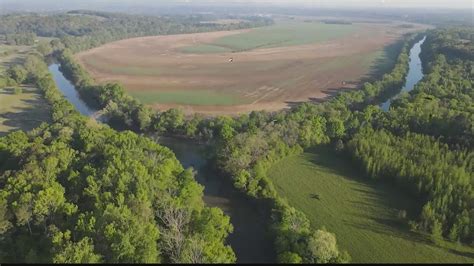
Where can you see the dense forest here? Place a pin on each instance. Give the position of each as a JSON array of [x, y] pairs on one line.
[[73, 185], [79, 192], [81, 29], [87, 194]]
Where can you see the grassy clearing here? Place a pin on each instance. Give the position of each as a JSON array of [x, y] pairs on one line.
[[24, 111], [11, 54], [201, 97], [280, 35], [15, 54], [362, 213]]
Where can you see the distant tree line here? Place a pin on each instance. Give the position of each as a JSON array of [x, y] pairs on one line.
[[336, 21], [81, 29], [20, 38]]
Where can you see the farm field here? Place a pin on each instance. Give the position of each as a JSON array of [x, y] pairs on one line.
[[362, 213], [279, 35], [273, 67], [187, 97], [25, 111]]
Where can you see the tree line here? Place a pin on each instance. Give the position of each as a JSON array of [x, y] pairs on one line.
[[428, 169], [28, 38], [81, 29]]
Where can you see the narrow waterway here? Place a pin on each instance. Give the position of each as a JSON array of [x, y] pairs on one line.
[[415, 73], [250, 239], [69, 91]]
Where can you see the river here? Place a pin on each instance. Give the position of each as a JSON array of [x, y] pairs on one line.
[[250, 239], [69, 91], [415, 73]]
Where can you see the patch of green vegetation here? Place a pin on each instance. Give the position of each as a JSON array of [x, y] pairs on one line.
[[123, 70], [24, 110], [362, 214], [384, 60], [16, 54], [206, 49], [10, 54], [279, 35], [198, 97], [375, 60]]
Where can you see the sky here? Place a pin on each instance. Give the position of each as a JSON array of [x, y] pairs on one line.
[[365, 3], [463, 4]]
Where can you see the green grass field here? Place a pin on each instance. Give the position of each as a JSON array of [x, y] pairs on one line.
[[201, 97], [22, 111], [288, 33], [10, 54], [15, 54], [362, 213]]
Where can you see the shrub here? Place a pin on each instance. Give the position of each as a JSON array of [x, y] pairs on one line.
[[17, 90]]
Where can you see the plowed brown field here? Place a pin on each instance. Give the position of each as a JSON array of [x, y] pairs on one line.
[[157, 70]]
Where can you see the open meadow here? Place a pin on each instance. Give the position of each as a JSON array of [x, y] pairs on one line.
[[25, 110], [266, 68], [12, 54], [362, 213]]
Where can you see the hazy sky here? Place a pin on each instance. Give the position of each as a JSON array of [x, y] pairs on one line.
[[374, 3], [464, 4]]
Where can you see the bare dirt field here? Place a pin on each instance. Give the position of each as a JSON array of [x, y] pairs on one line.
[[263, 76]]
